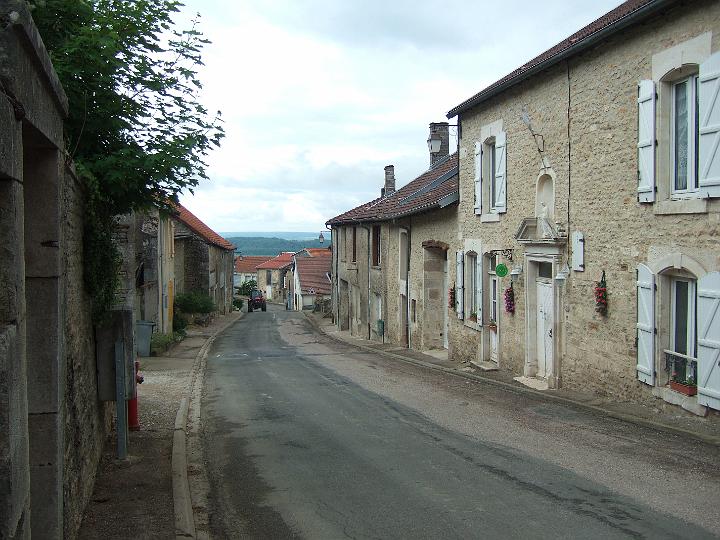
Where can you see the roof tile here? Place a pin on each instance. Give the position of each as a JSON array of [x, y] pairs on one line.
[[202, 230]]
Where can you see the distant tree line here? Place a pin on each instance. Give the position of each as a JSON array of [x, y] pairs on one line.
[[272, 246]]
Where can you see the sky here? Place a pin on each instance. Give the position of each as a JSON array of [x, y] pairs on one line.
[[318, 96]]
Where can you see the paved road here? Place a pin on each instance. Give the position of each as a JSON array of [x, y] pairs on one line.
[[308, 438]]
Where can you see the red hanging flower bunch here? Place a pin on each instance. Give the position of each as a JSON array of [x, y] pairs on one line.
[[509, 297], [601, 299]]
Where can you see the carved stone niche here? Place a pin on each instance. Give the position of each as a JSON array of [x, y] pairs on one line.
[[540, 230]]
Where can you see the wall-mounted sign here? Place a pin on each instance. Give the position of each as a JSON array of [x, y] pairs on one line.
[[501, 270]]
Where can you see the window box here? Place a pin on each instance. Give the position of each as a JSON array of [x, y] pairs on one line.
[[686, 389]]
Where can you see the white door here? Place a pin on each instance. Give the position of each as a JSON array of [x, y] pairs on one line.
[[268, 292], [494, 315], [446, 320], [544, 327]]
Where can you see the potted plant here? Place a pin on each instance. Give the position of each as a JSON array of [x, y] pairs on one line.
[[492, 325], [687, 387]]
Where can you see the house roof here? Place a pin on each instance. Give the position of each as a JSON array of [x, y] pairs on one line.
[[319, 252], [622, 16], [276, 263], [435, 188], [198, 227], [313, 274], [247, 264]]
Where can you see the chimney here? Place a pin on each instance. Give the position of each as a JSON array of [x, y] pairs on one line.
[[389, 188], [439, 140]]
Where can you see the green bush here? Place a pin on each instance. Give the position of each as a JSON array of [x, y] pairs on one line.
[[238, 303], [159, 343], [180, 322], [195, 302], [246, 288]]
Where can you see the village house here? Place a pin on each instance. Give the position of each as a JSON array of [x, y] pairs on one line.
[[52, 423], [390, 262], [203, 260], [272, 278], [310, 278], [246, 268], [589, 217]]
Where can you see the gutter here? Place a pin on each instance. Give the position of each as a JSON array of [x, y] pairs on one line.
[[631, 18]]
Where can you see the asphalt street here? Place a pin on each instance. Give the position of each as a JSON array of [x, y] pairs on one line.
[[308, 438]]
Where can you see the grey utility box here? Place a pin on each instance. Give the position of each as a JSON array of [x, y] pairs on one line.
[[144, 330]]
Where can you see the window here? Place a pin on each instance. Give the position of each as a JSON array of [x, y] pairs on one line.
[[682, 316], [545, 270], [268, 277], [684, 128], [413, 310], [403, 255], [494, 285], [354, 244], [342, 244], [471, 280], [376, 245], [490, 173]]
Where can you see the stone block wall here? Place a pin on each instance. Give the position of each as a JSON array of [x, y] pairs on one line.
[[196, 265]]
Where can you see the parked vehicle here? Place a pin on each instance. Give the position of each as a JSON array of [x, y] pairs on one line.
[[256, 301]]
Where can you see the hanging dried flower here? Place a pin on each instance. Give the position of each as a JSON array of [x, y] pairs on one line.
[[601, 299], [509, 299]]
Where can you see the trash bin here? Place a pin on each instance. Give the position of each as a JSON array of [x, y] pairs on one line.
[[143, 333]]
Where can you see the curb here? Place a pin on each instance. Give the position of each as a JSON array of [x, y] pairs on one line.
[[708, 439], [182, 502]]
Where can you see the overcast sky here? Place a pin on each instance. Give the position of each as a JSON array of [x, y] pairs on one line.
[[319, 95]]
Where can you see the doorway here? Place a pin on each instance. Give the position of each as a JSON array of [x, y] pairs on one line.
[[544, 327]]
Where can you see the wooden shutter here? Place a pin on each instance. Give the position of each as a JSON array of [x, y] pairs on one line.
[[459, 284], [478, 178], [645, 325], [709, 119], [479, 285], [646, 141], [708, 343], [500, 173]]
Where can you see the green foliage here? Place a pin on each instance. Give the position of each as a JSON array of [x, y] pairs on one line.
[[159, 343], [238, 303], [195, 302], [271, 246], [136, 130], [246, 288], [179, 322]]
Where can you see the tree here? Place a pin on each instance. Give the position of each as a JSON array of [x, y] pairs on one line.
[[246, 288], [136, 130]]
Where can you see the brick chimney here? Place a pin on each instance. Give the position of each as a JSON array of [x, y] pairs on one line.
[[439, 130], [389, 188]]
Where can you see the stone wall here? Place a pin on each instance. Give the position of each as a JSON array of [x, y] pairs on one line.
[[196, 264], [586, 108]]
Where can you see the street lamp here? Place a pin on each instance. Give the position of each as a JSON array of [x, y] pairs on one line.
[[434, 141], [321, 238]]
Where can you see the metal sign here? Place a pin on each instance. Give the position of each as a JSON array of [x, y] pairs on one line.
[[501, 270]]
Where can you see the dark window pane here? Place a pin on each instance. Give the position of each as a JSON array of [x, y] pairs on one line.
[[680, 133]]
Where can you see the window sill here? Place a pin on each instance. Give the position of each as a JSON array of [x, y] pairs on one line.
[[489, 218], [473, 325], [378, 268], [681, 206]]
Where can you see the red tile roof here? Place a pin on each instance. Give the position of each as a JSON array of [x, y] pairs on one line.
[[613, 21], [313, 274], [427, 191], [281, 261], [319, 252], [247, 264], [202, 230]]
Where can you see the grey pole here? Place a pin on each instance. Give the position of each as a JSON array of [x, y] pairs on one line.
[[120, 405]]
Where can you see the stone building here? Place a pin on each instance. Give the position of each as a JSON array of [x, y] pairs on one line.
[[203, 260], [309, 278], [52, 424], [598, 158], [272, 277], [390, 256], [246, 268]]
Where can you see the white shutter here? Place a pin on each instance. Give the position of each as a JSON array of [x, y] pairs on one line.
[[479, 286], [500, 195], [645, 325], [459, 284], [646, 141], [478, 178], [708, 343], [709, 119]]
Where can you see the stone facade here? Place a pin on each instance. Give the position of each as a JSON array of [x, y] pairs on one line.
[[52, 425], [572, 160]]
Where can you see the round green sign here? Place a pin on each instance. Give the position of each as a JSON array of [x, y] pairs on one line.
[[501, 270]]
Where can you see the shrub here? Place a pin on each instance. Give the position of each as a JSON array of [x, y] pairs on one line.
[[180, 322], [159, 343], [195, 302], [246, 288], [238, 303]]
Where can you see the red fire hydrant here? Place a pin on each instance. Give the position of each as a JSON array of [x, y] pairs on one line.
[[133, 418]]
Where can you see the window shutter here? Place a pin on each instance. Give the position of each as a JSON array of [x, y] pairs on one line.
[[478, 178], [708, 343], [645, 325], [646, 141], [501, 173], [459, 284], [709, 136], [479, 286]]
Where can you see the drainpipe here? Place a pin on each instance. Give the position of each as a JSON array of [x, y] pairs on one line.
[[407, 283], [369, 236]]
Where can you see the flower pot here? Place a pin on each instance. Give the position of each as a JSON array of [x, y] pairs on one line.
[[683, 388], [492, 327]]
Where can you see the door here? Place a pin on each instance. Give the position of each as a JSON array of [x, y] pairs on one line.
[[494, 312], [445, 299], [544, 327]]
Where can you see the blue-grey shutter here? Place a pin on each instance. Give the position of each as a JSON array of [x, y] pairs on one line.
[[478, 178], [709, 120], [708, 342], [500, 195], [645, 325], [646, 141], [459, 284]]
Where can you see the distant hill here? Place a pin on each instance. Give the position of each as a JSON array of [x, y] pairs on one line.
[[275, 234], [259, 245]]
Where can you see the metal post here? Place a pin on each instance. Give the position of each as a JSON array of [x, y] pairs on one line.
[[120, 405]]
